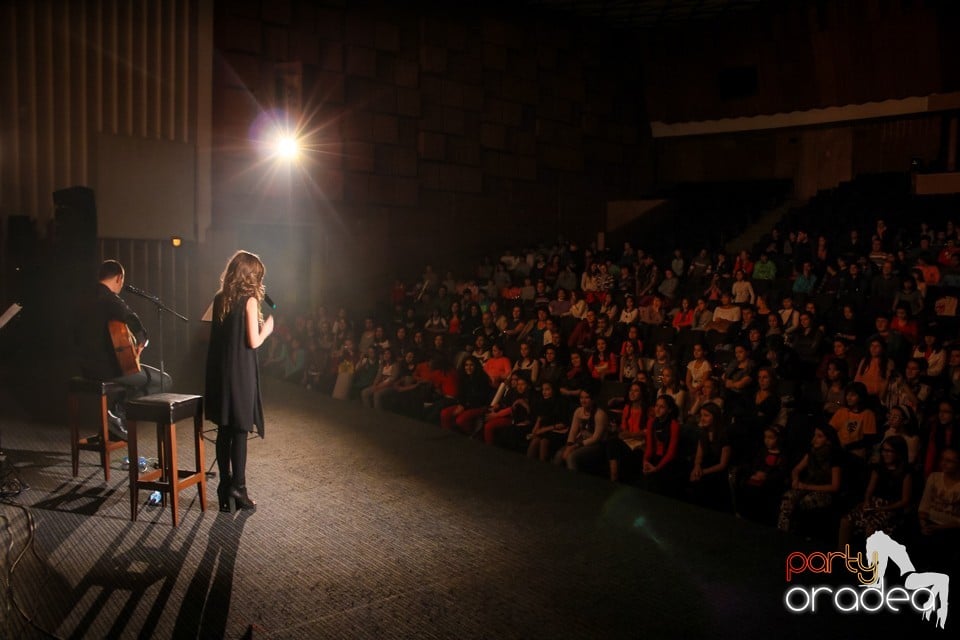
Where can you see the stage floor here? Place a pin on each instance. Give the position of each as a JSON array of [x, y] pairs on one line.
[[371, 525]]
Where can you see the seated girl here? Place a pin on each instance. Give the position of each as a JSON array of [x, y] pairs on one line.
[[833, 387], [630, 363], [602, 362], [670, 386], [815, 480], [855, 424], [698, 369], [708, 478], [758, 486], [528, 365], [472, 399], [902, 423], [514, 409], [939, 510], [549, 431], [944, 434], [626, 448], [589, 429], [887, 497], [663, 470]]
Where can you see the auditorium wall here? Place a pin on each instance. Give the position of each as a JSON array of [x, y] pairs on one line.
[[435, 131], [797, 56], [814, 157], [793, 55]]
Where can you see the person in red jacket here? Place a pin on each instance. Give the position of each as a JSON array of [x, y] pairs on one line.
[[662, 468], [603, 362]]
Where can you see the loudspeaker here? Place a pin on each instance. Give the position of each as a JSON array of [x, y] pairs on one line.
[[21, 235]]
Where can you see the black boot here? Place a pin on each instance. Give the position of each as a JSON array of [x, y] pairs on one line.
[[242, 500], [227, 504]]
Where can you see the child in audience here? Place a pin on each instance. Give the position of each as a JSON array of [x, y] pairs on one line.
[[939, 510], [855, 424], [902, 423], [833, 387], [662, 468], [514, 410], [875, 369], [698, 369], [549, 431], [943, 434], [670, 386], [815, 480], [627, 446], [757, 487], [602, 362], [887, 497], [589, 429], [472, 400], [630, 363], [708, 478]]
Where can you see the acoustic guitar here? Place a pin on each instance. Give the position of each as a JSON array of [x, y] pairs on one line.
[[125, 346]]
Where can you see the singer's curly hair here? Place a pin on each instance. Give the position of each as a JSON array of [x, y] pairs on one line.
[[242, 278]]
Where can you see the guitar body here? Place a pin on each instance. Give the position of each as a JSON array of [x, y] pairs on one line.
[[125, 346]]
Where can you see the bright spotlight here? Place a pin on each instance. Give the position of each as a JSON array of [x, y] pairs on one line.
[[287, 147]]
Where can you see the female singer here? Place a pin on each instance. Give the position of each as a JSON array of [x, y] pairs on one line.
[[233, 378]]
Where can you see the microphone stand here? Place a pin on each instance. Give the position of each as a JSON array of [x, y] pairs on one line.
[[161, 307]]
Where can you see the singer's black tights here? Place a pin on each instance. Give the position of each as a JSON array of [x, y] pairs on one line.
[[232, 455]]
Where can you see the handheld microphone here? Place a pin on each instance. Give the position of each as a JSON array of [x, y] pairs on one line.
[[269, 301], [133, 289]]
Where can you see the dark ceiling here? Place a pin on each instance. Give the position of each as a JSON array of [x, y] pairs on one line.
[[636, 15]]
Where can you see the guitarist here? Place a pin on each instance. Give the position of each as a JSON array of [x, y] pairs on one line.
[[98, 355]]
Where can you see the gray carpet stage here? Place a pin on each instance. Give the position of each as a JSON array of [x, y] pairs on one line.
[[375, 526]]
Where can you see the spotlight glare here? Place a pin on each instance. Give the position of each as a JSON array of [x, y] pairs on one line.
[[287, 147]]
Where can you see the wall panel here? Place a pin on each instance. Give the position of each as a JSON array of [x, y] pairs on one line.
[[76, 69]]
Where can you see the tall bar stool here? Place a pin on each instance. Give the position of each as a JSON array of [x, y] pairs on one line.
[[165, 410], [87, 407]]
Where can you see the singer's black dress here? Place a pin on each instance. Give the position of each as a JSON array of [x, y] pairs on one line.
[[233, 374]]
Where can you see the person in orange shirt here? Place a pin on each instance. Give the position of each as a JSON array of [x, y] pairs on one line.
[[931, 272], [498, 366], [856, 425], [875, 369]]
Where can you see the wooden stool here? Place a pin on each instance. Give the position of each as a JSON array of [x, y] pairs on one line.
[[87, 405], [166, 409]]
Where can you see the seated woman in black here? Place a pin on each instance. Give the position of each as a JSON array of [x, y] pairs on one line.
[[757, 487], [549, 424], [758, 411], [473, 398], [576, 379], [815, 480], [888, 494], [708, 478]]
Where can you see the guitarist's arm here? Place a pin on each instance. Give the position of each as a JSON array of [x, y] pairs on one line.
[[119, 310]]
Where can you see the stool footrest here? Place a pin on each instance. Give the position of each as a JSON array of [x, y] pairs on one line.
[[165, 410]]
